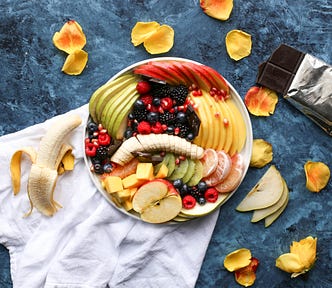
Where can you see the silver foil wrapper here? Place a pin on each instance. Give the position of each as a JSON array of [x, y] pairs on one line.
[[311, 91]]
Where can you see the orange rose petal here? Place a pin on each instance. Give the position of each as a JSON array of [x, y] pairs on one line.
[[238, 44], [161, 41], [219, 9], [317, 175], [70, 37], [75, 62], [246, 276], [142, 31], [261, 101]]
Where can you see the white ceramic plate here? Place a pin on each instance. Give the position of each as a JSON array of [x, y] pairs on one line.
[[246, 151]]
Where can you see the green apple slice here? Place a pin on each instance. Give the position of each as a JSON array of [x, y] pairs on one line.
[[114, 91], [265, 193], [263, 213], [202, 210], [100, 92]]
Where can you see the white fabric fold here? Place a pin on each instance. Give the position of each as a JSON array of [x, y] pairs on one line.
[[88, 242]]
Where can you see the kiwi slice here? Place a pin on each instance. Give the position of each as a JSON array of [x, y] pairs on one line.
[[164, 161], [170, 164], [198, 174], [180, 170], [190, 171]]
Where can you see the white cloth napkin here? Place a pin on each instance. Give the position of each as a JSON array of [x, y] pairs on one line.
[[89, 243]]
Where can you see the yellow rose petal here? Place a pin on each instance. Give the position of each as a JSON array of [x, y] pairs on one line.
[[142, 31], [238, 44], [237, 259], [218, 9], [290, 263], [161, 41], [70, 37], [262, 153], [306, 249], [75, 62], [317, 175]]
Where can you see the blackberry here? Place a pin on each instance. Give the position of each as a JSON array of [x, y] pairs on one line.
[[196, 193], [102, 152], [184, 130], [166, 117], [160, 90], [140, 115], [179, 94]]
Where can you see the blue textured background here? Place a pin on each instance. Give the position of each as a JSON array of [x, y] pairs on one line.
[[33, 89]]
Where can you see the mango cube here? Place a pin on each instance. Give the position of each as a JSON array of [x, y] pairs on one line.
[[127, 205], [124, 194], [131, 181], [163, 171], [113, 184], [144, 171]]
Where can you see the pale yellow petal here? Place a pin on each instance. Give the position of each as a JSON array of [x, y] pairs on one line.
[[290, 263], [238, 44]]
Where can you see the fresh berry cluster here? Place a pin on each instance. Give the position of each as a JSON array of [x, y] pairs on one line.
[[161, 108], [97, 146], [199, 193]]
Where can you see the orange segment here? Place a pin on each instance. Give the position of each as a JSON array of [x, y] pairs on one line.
[[209, 161]]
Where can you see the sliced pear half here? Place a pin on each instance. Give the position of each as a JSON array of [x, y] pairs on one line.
[[265, 212], [265, 193]]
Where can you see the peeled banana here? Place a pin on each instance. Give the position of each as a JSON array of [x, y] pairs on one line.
[[155, 142], [52, 159]]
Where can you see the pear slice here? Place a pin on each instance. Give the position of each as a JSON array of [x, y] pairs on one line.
[[272, 217], [265, 212], [265, 193]]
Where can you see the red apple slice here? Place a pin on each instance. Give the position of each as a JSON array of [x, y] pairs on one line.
[[202, 82], [172, 73], [221, 82], [157, 201]]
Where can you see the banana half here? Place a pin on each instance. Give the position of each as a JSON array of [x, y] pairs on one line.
[[53, 158]]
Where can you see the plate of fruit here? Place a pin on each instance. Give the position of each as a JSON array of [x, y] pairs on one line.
[[167, 140]]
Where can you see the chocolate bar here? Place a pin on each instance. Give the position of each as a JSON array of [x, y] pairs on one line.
[[304, 80]]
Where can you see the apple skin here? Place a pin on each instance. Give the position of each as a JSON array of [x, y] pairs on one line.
[[157, 201]]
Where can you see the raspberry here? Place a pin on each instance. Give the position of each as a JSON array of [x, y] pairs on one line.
[[157, 128], [188, 202], [147, 99], [144, 127], [143, 87], [166, 103], [211, 195]]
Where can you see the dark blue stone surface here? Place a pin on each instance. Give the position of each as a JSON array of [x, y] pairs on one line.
[[33, 89]]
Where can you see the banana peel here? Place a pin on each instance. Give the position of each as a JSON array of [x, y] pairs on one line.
[[53, 158]]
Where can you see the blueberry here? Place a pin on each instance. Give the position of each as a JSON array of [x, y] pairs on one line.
[[156, 102], [95, 160], [131, 116], [98, 168], [184, 188], [181, 117], [139, 105], [108, 167], [202, 186], [170, 130], [190, 136], [201, 201], [178, 183], [153, 117], [92, 127], [128, 133]]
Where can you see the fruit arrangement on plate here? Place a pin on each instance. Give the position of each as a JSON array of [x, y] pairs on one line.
[[167, 140]]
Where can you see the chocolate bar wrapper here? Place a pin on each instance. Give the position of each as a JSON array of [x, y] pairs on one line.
[[311, 91], [304, 80]]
